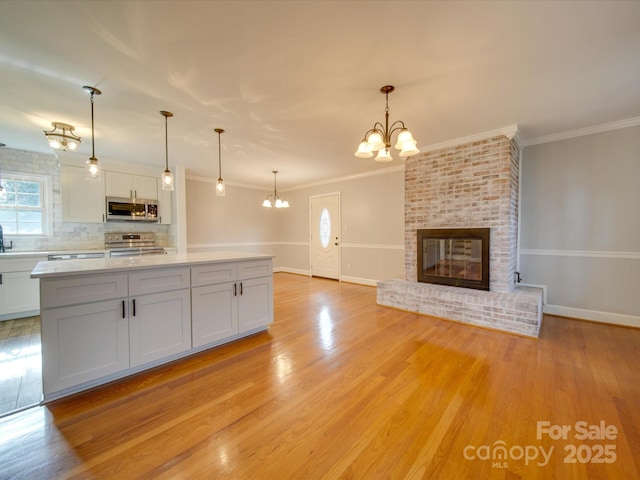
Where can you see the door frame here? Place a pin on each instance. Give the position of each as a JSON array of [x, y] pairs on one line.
[[339, 233]]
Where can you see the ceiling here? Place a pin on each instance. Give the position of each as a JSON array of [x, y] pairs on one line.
[[295, 84]]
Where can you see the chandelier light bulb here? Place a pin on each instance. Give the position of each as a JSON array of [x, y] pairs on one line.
[[384, 155], [363, 150], [375, 142]]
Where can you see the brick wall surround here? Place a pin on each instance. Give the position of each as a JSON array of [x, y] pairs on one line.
[[472, 185]]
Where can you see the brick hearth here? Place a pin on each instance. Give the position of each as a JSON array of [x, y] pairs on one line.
[[467, 186]]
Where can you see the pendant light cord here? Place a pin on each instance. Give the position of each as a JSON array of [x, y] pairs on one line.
[[166, 145], [219, 159], [93, 147]]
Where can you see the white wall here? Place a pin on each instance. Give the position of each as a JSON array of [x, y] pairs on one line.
[[580, 225], [372, 224]]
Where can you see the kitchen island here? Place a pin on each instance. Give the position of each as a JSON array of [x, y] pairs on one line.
[[107, 318]]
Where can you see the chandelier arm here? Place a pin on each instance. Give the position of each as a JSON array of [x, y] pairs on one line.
[[377, 127], [395, 126]]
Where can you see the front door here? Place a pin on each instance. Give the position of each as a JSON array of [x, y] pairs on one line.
[[325, 244]]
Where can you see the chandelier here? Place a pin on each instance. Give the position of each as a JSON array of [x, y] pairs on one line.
[[275, 200], [61, 137], [220, 189], [92, 165], [167, 177], [378, 139]]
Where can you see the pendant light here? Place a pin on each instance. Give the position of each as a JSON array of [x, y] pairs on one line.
[[275, 200], [378, 139], [92, 165], [220, 188], [167, 177], [3, 192], [62, 136]]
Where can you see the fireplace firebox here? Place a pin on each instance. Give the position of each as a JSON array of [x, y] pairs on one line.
[[456, 256]]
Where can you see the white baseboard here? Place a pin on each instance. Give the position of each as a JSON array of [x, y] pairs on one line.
[[360, 281], [593, 315], [292, 270]]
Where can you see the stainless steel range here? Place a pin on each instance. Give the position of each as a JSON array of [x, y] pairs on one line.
[[132, 244]]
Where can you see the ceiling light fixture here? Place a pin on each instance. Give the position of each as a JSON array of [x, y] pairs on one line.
[[378, 139], [62, 136], [92, 165], [3, 192], [220, 188], [275, 200], [167, 177]]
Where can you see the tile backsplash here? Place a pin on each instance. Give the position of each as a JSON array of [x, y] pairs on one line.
[[66, 235]]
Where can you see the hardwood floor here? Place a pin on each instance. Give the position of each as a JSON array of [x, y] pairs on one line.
[[342, 388]]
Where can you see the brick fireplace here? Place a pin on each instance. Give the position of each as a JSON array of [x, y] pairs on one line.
[[472, 185]]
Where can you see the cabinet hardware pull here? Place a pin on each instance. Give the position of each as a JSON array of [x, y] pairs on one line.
[[123, 316], [241, 290], [235, 289], [134, 307], [0, 279]]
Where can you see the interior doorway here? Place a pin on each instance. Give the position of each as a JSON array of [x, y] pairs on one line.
[[325, 235]]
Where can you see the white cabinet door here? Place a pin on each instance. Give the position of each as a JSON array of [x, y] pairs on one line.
[[159, 326], [82, 201], [255, 303], [120, 184], [19, 293], [214, 313], [165, 204], [145, 187], [83, 343]]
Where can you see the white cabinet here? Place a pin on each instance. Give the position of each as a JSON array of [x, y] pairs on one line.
[[82, 343], [165, 205], [19, 293], [227, 300], [159, 322], [82, 201], [85, 330], [118, 184]]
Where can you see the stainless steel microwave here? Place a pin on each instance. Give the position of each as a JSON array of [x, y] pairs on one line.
[[131, 210]]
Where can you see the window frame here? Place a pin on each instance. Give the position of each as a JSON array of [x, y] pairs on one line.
[[46, 198]]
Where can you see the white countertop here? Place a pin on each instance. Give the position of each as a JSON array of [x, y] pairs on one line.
[[49, 269], [46, 253]]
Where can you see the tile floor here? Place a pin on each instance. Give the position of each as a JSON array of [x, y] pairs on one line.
[[20, 364]]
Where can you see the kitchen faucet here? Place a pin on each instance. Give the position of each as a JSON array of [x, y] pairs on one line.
[[2, 247]]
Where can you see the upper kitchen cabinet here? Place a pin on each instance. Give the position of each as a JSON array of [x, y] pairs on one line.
[[127, 185], [165, 200], [82, 201]]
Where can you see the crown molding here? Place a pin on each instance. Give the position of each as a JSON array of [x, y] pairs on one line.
[[580, 132], [510, 132]]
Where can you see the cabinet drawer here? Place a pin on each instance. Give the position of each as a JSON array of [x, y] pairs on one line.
[[214, 273], [255, 269], [158, 280], [85, 289]]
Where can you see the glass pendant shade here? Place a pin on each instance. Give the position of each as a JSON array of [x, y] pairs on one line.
[[61, 137], [220, 188], [93, 171], [267, 203], [409, 149], [363, 150], [375, 142], [167, 180], [403, 137], [384, 155]]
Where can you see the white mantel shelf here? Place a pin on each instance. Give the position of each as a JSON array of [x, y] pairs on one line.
[[52, 269]]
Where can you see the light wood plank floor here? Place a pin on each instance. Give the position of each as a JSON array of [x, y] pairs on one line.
[[342, 388]]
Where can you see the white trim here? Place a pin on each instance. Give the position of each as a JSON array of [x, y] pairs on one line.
[[357, 176], [295, 244], [582, 253], [510, 132], [296, 271], [232, 245], [198, 178], [360, 281], [373, 245], [593, 315], [605, 127]]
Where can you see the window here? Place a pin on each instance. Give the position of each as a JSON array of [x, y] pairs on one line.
[[325, 228], [28, 208]]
